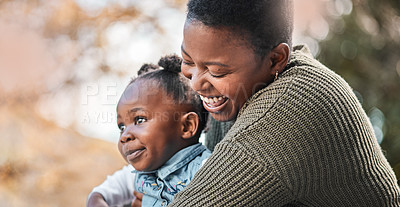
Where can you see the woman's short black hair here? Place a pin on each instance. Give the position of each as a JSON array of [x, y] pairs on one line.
[[167, 75], [263, 23]]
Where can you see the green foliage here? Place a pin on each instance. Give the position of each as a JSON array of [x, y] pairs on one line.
[[364, 48]]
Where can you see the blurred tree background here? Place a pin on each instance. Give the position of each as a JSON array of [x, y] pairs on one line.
[[360, 40], [64, 63], [364, 47]]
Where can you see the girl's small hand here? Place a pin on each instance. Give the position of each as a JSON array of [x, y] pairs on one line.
[[137, 202]]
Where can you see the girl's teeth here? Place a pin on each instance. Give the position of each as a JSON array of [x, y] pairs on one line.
[[220, 98], [215, 99]]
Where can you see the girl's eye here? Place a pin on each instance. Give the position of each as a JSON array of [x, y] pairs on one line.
[[140, 120], [121, 127]]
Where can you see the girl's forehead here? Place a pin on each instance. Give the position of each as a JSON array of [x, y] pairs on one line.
[[145, 92], [142, 88]]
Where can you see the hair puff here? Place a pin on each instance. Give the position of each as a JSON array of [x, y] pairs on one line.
[[171, 63], [147, 67]]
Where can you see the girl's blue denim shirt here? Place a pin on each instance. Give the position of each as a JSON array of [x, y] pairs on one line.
[[160, 186]]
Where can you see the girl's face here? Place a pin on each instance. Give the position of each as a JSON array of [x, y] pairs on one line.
[[222, 68], [149, 123]]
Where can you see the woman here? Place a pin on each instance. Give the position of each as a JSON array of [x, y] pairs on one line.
[[300, 136]]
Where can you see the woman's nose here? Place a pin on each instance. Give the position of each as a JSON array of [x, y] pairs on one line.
[[126, 135], [197, 78], [187, 71]]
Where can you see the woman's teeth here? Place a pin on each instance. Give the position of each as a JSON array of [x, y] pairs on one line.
[[212, 100]]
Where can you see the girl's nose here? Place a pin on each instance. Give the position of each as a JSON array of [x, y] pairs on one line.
[[126, 135]]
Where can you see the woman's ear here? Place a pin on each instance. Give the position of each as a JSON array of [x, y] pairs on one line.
[[279, 57], [190, 125]]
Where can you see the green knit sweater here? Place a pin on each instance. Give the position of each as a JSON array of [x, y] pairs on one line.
[[304, 140]]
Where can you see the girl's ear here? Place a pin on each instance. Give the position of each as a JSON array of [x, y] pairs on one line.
[[190, 125], [279, 57]]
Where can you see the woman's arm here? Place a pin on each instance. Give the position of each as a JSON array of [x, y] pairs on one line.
[[231, 177]]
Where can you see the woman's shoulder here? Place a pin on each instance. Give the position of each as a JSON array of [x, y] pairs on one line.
[[306, 87], [303, 78]]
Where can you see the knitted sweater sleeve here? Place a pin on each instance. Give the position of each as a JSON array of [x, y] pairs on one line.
[[231, 177], [216, 132]]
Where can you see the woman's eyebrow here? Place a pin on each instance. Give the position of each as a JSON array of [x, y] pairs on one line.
[[183, 50], [216, 63]]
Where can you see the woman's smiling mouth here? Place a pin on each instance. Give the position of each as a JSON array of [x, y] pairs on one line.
[[214, 104]]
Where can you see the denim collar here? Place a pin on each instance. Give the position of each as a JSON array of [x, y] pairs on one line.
[[180, 159]]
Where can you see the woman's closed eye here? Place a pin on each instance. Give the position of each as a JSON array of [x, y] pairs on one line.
[[217, 75], [185, 62], [219, 72]]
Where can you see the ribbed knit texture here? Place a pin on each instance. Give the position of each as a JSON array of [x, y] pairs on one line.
[[216, 131], [304, 140]]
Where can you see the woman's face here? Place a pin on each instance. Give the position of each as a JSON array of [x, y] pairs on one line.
[[222, 68]]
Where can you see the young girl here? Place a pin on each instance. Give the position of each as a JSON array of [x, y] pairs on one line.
[[300, 136], [161, 119]]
